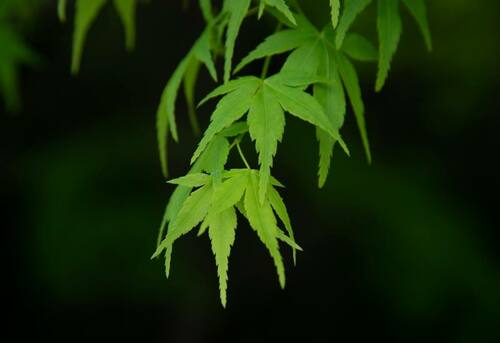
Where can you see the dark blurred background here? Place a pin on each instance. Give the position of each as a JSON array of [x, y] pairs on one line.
[[404, 250]]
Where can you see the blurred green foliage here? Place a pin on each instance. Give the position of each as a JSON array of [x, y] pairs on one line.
[[14, 51]]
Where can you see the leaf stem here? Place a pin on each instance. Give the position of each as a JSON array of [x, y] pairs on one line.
[[267, 61], [242, 155]]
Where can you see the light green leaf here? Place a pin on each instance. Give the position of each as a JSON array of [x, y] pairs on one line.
[[332, 97], [305, 107], [279, 207], [230, 87], [229, 109], [281, 42], [351, 83], [281, 6], [165, 116], [359, 48], [193, 211], [168, 259], [326, 145], [235, 130], [221, 231], [214, 158], [419, 11], [263, 221], [266, 123], [201, 50], [126, 10], [61, 10], [335, 12], [229, 192], [305, 60], [237, 11], [352, 9], [166, 110], [389, 31], [299, 80], [191, 180], [284, 238], [85, 14]]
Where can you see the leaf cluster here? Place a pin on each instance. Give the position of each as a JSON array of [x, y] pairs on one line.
[[315, 83]]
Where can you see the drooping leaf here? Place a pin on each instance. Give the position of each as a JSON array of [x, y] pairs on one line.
[[331, 96], [86, 12], [389, 31], [351, 82], [61, 9], [166, 110], [126, 10], [284, 238], [14, 53], [262, 220], [193, 211], [221, 231], [202, 52], [266, 122], [165, 117], [351, 9], [419, 11], [237, 11], [279, 207], [281, 6]]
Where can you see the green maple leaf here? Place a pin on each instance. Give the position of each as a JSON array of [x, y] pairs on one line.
[[187, 70], [314, 54], [280, 5], [261, 218], [214, 206], [265, 101], [86, 12], [389, 28], [221, 230]]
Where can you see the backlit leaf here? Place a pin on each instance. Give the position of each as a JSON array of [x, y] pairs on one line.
[[86, 12], [221, 231], [266, 122], [126, 10], [419, 11], [351, 82], [262, 220]]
